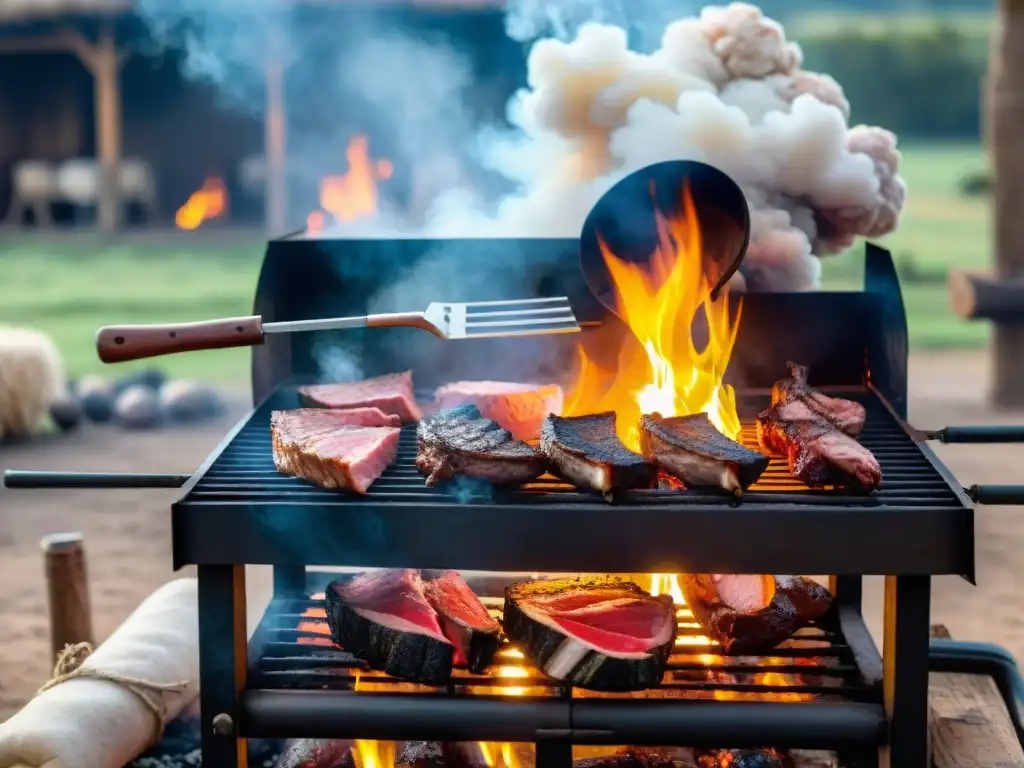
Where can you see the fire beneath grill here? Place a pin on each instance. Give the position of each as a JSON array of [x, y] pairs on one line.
[[353, 195]]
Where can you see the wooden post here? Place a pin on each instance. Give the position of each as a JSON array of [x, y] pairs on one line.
[[68, 591], [107, 88], [275, 144], [1004, 118]]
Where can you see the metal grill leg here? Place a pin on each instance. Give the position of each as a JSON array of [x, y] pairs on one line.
[[222, 663], [905, 671]]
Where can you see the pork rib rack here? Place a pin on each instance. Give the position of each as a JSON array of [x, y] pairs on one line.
[[824, 688]]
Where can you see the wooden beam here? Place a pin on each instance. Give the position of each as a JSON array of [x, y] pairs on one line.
[[975, 295], [1004, 114], [107, 87], [275, 144], [968, 722], [67, 588]]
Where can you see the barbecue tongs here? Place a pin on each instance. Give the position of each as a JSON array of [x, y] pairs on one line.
[[473, 320]]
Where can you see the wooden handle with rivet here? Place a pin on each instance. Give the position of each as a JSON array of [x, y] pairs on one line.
[[120, 343]]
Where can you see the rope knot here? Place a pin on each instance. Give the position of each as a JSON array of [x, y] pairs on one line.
[[71, 659]]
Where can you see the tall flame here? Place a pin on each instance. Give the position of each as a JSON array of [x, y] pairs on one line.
[[207, 202], [660, 368], [353, 195]]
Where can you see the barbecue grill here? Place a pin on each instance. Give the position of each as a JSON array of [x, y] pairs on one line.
[[826, 688]]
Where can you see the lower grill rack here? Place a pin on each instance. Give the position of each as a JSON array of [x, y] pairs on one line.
[[813, 692]]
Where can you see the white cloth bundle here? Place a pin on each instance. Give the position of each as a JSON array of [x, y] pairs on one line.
[[89, 723]]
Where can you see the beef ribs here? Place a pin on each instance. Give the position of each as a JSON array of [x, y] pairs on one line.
[[846, 415], [464, 620], [816, 451], [749, 615], [596, 632], [384, 618], [519, 408], [392, 393], [313, 446], [586, 451], [316, 753], [693, 450], [460, 441]]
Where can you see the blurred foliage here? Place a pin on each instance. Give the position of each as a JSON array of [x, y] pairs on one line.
[[919, 77], [975, 184]]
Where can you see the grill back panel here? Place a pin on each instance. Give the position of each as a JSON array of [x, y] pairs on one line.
[[837, 334]]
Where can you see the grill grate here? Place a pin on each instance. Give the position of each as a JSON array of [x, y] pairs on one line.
[[244, 472], [292, 650]]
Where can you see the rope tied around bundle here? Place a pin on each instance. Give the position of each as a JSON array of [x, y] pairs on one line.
[[69, 667]]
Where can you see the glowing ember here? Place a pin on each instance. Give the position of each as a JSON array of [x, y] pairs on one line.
[[207, 202], [660, 369], [354, 194], [374, 754]]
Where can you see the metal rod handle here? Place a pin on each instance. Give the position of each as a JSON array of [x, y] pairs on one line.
[[989, 434], [996, 494], [16, 478]]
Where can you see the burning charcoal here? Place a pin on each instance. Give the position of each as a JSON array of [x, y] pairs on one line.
[[66, 414], [753, 614], [403, 638], [138, 407], [420, 754], [317, 753], [190, 401], [642, 757], [744, 758], [152, 378], [595, 632], [96, 398]]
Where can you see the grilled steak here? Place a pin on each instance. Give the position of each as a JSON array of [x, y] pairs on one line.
[[642, 757], [753, 614], [519, 408], [693, 450], [595, 632], [392, 393], [744, 758], [346, 417], [383, 618], [846, 415], [331, 456], [586, 451], [316, 753], [816, 451], [460, 441], [464, 620]]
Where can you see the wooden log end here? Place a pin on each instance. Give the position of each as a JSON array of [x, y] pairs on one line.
[[975, 295], [61, 542]]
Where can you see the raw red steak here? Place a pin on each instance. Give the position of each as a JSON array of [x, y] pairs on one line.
[[383, 618], [392, 393], [595, 632], [331, 456], [519, 408], [464, 619]]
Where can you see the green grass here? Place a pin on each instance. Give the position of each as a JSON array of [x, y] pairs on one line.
[[807, 24], [71, 289]]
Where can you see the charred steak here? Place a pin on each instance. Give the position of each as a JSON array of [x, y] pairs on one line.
[[460, 441], [846, 415], [519, 408], [464, 620], [693, 450], [312, 445], [586, 451], [595, 632], [392, 393], [384, 618], [749, 615], [816, 451]]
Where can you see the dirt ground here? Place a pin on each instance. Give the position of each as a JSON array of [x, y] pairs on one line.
[[128, 540]]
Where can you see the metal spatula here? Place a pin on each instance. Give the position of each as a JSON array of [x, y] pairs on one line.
[[448, 320]]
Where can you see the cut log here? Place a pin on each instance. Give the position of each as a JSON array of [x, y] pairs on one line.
[[68, 591], [976, 295], [968, 723]]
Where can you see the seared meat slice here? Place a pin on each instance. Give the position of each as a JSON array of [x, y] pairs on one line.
[[750, 615], [595, 632], [312, 445], [392, 393], [816, 451], [519, 408], [845, 415], [464, 620], [383, 618], [460, 441], [586, 451], [693, 450]]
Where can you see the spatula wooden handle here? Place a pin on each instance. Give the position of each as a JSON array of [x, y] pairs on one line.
[[120, 343]]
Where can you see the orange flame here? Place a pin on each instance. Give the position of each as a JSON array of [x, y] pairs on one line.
[[354, 194], [207, 202], [660, 369]]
